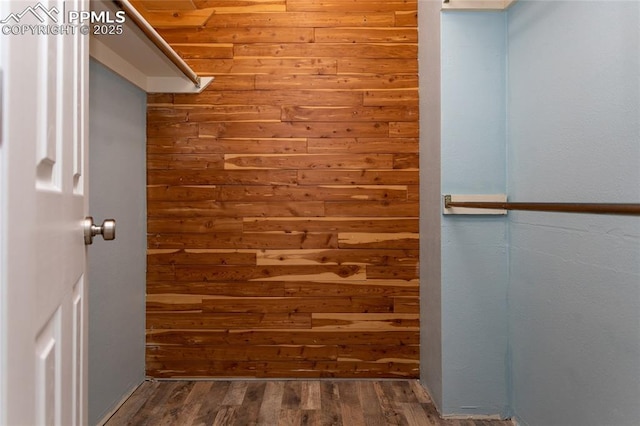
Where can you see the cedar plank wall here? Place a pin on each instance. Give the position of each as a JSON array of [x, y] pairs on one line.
[[283, 200]]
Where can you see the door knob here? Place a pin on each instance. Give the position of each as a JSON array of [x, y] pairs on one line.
[[107, 230]]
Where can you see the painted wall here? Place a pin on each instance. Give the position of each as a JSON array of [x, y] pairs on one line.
[[474, 249], [117, 115], [430, 216], [539, 311], [574, 135]]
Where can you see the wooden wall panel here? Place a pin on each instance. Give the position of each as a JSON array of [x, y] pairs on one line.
[[283, 201]]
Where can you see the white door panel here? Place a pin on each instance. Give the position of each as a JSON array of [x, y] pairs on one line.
[[43, 256]]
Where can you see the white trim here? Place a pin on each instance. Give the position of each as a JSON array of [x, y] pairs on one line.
[[175, 85], [477, 4], [3, 226]]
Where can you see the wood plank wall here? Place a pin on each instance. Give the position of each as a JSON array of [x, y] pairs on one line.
[[283, 200]]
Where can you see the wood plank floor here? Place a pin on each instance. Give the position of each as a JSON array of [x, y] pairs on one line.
[[282, 402]]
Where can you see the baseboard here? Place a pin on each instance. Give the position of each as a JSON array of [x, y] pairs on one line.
[[275, 379], [460, 416], [516, 422], [111, 412], [472, 417]]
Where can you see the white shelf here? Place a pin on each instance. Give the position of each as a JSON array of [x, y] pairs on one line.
[[136, 58], [477, 4]]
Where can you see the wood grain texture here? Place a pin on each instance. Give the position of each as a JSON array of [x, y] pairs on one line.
[[283, 201], [280, 402]]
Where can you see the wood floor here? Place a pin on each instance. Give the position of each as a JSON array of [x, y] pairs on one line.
[[281, 402]]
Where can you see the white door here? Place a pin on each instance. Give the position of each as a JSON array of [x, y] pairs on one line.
[[44, 201]]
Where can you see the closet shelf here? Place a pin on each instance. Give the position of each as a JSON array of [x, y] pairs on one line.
[[140, 55], [476, 4]]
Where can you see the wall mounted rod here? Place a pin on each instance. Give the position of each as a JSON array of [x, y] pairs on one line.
[[594, 208], [156, 39]]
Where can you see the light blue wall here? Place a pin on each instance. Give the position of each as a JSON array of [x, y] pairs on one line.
[[540, 312], [117, 189], [474, 249], [574, 135]]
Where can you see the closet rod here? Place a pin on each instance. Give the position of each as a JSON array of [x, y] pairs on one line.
[[594, 208], [156, 39]]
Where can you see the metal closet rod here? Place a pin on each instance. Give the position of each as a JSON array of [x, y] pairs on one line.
[[632, 209], [156, 39]]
